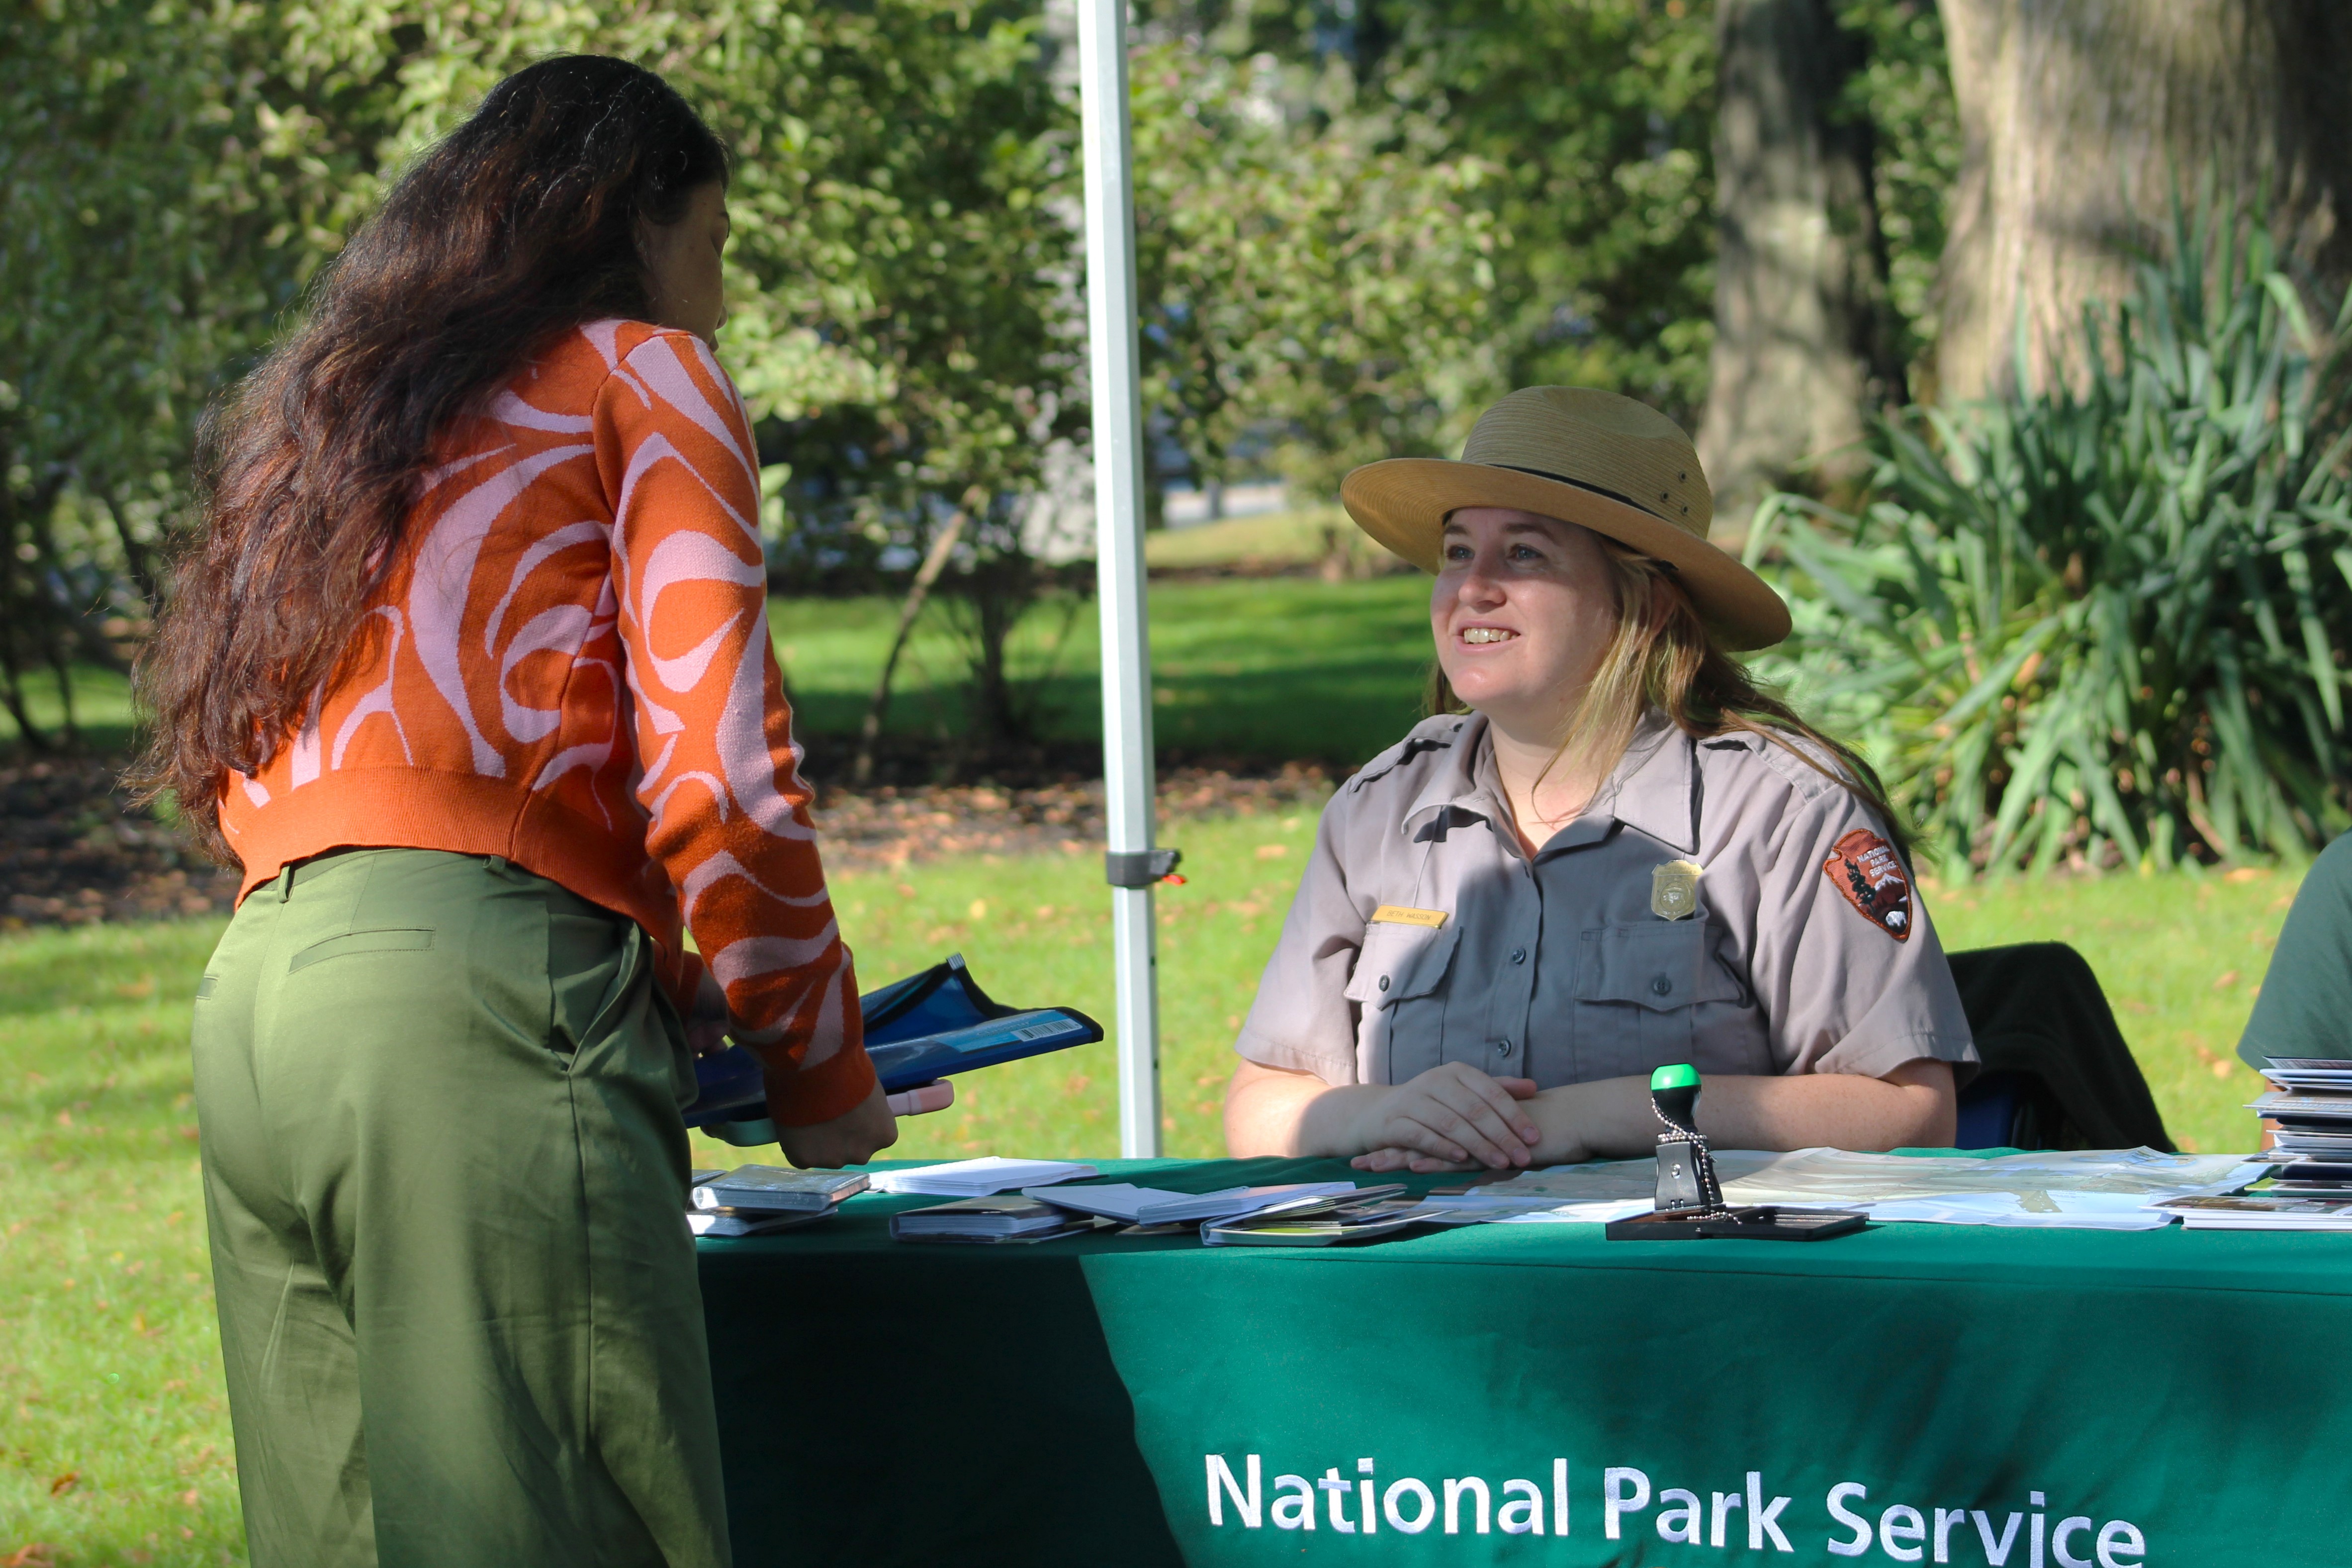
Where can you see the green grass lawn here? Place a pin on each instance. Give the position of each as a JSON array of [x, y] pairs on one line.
[[115, 1442], [1231, 661], [113, 1429], [1270, 541], [101, 711]]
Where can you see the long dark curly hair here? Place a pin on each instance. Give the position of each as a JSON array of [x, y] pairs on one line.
[[524, 222]]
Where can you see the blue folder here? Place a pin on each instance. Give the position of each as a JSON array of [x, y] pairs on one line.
[[917, 1031]]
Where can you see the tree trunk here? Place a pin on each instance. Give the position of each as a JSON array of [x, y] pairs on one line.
[[935, 560], [1803, 334], [2081, 121]]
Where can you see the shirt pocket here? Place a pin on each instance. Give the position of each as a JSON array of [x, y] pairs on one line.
[[1638, 988], [1398, 961], [1660, 967]]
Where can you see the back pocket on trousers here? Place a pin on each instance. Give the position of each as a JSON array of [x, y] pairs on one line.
[[351, 941]]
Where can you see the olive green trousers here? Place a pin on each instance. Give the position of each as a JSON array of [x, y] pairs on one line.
[[445, 1177]]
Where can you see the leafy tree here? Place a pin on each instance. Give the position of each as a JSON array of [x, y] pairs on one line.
[[168, 176], [1600, 114], [1315, 293], [901, 272], [900, 321], [1903, 91]]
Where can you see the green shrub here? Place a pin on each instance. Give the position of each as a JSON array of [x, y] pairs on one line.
[[2105, 622]]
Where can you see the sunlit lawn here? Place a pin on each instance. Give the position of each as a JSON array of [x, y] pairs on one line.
[[113, 1432], [1233, 664]]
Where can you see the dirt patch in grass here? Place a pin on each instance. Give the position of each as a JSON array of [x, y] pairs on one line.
[[895, 826], [74, 851]]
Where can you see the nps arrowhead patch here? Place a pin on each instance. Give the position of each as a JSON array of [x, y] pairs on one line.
[[1865, 869]]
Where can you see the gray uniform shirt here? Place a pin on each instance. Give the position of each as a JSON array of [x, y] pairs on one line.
[[1807, 949]]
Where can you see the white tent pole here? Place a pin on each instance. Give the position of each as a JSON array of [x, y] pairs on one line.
[[1132, 864]]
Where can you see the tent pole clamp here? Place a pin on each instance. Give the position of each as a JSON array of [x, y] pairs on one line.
[[1139, 868]]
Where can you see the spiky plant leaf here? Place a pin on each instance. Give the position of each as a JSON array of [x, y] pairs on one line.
[[2105, 621]]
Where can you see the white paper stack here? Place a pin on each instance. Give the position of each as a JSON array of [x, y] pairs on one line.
[[2056, 1210], [980, 1178], [1594, 1211], [2313, 1110], [1132, 1205], [2071, 1189], [2328, 1074]]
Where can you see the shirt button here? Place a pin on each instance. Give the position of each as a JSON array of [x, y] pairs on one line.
[[1502, 1048], [1384, 982], [1662, 986], [1518, 956]]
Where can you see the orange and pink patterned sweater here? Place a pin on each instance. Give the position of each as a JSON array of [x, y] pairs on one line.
[[571, 668]]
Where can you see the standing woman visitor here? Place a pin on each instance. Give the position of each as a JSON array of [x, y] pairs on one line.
[[1607, 852], [470, 670]]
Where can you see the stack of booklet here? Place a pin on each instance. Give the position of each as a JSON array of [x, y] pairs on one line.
[[1131, 1205], [2312, 1145], [2264, 1210], [758, 1200], [1364, 1213], [1299, 1213], [987, 1220], [980, 1178]]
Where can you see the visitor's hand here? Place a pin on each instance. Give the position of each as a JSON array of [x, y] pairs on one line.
[[706, 1026], [1451, 1118], [850, 1139]]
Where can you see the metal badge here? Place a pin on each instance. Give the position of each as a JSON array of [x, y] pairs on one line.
[[1674, 890]]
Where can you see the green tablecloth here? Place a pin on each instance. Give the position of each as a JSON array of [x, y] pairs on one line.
[[1064, 1403]]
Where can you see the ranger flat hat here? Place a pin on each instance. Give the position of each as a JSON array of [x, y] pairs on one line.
[[1582, 455]]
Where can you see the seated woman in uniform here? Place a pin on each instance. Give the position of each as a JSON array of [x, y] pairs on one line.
[[1608, 851]]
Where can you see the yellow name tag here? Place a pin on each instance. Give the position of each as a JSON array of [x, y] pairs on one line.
[[1397, 914]]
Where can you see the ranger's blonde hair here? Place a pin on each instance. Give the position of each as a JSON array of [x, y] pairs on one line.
[[1660, 656]]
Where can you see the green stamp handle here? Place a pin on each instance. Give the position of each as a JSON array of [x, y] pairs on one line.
[[1681, 1075]]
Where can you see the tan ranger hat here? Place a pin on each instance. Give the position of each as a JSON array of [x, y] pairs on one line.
[[1616, 466]]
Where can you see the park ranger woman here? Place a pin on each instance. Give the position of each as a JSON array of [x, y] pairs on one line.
[[1607, 851]]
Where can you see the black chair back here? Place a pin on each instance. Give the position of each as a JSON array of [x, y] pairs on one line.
[[2056, 1072]]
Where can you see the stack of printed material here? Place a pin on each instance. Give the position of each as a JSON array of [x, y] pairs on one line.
[[2071, 1189], [2260, 1211], [758, 1200], [980, 1178], [2313, 1108], [1367, 1214], [986, 1220], [1131, 1205]]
